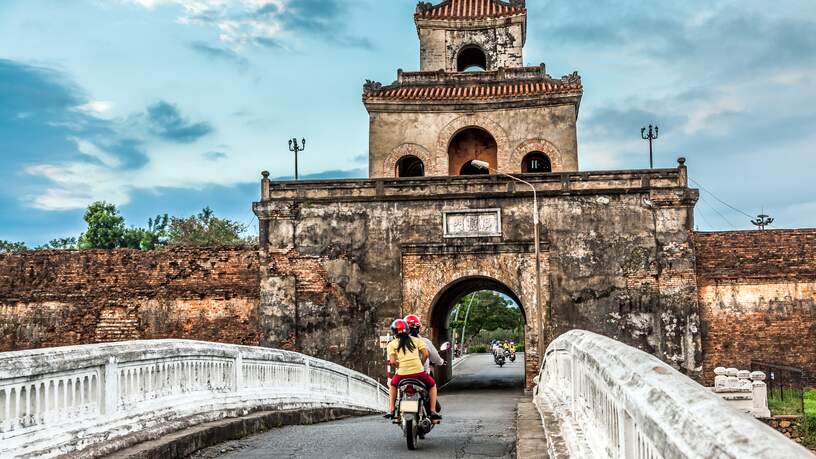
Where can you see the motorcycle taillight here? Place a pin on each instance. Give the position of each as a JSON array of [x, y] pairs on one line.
[[409, 389]]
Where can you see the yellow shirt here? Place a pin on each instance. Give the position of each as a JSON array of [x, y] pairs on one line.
[[410, 362]]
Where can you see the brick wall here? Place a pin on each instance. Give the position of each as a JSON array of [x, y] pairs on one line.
[[54, 298], [757, 293]]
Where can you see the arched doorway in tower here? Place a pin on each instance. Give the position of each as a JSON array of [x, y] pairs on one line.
[[469, 144], [471, 58], [469, 313]]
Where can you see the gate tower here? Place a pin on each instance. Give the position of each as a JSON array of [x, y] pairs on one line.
[[473, 98]]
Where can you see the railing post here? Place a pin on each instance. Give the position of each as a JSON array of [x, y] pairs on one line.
[[111, 393], [760, 395], [238, 373]]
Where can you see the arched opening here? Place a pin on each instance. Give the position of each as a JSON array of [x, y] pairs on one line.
[[536, 162], [468, 313], [467, 145], [410, 166], [471, 58]]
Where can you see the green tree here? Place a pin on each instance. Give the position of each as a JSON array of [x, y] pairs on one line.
[[106, 228], [488, 311], [205, 229], [8, 246], [150, 238], [63, 243]]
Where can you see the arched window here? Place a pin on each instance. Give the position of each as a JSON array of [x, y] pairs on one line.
[[536, 163], [471, 58], [410, 166], [469, 144]]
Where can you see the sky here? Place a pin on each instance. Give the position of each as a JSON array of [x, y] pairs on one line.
[[168, 106]]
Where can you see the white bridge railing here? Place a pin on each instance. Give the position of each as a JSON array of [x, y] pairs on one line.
[[100, 398], [600, 398]]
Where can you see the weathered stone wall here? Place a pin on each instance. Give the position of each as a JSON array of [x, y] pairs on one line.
[[619, 258], [57, 298], [757, 294], [501, 40], [517, 131]]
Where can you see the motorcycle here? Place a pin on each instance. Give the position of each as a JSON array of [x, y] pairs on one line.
[[498, 357], [510, 355], [414, 408]]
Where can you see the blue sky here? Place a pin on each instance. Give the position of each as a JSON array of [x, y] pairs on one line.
[[173, 105]]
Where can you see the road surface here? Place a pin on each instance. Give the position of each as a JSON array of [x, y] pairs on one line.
[[479, 421]]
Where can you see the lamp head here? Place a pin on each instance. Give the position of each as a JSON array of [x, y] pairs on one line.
[[480, 164]]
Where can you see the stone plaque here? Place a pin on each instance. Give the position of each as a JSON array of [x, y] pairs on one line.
[[472, 223]]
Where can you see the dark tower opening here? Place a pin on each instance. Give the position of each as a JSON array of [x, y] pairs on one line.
[[410, 166], [536, 162], [471, 58], [467, 145]]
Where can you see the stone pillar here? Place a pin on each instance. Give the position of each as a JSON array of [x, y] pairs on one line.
[[111, 391], [760, 395]]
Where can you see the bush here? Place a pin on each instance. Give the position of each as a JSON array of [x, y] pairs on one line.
[[519, 348], [477, 349]]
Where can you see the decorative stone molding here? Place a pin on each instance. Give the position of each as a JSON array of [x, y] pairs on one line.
[[390, 163], [105, 397], [531, 145], [471, 121]]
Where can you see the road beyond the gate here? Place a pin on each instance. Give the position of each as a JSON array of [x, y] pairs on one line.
[[479, 421]]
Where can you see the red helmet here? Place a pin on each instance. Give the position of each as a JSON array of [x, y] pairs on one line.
[[399, 326], [412, 321]]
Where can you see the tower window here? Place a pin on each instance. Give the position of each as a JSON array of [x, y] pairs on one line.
[[410, 166], [469, 144], [535, 163], [471, 58]]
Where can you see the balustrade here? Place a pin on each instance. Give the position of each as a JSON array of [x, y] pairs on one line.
[[53, 401], [612, 400]]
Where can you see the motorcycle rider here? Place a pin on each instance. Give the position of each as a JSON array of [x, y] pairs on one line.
[[408, 354], [414, 326]]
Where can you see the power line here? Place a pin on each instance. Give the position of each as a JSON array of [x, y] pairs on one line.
[[718, 199], [717, 212]]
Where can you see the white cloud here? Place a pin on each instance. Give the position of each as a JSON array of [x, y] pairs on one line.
[[96, 107], [75, 185], [239, 22], [89, 149]]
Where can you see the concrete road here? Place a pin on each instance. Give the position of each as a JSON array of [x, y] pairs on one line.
[[479, 421]]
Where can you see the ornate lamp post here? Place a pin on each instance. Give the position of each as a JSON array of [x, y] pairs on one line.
[[651, 137], [486, 166], [294, 147], [762, 221]]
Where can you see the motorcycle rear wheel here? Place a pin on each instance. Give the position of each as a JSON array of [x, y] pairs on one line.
[[411, 434]]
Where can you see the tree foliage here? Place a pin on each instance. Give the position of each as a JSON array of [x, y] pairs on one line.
[[488, 311], [9, 247], [63, 243], [205, 229], [106, 227]]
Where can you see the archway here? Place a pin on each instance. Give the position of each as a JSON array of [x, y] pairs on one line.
[[536, 162], [410, 166], [469, 144], [447, 300], [471, 58]]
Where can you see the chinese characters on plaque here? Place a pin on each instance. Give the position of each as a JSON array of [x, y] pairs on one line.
[[472, 223]]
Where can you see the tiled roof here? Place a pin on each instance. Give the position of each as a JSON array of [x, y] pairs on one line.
[[469, 9], [476, 91]]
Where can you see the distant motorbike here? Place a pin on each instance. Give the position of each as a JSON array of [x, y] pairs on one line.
[[498, 357], [413, 406], [510, 355]]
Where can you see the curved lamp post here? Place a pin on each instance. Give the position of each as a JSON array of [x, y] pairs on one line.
[[486, 166]]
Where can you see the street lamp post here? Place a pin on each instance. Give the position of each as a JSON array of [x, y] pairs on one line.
[[486, 166], [294, 147], [651, 137]]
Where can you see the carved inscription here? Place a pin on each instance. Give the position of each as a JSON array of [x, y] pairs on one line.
[[472, 223]]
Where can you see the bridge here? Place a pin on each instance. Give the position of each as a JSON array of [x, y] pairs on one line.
[[594, 398]]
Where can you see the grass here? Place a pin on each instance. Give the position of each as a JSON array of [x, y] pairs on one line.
[[808, 426], [810, 402], [788, 403]]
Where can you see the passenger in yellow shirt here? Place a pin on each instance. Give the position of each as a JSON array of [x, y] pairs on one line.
[[408, 354]]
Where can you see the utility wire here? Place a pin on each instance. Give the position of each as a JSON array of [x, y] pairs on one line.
[[720, 200], [717, 212]]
